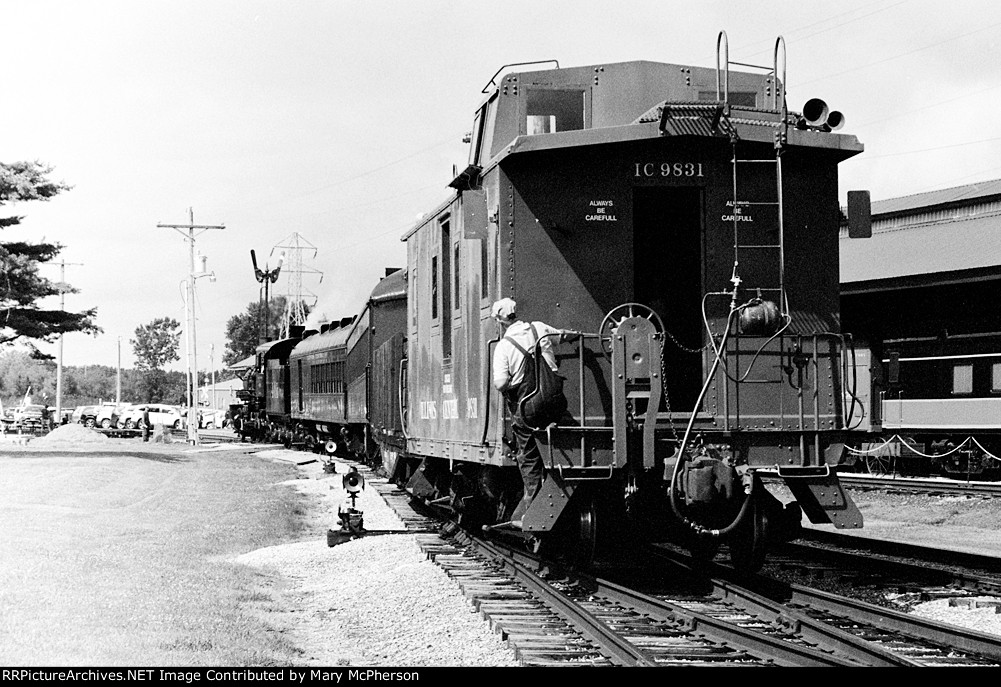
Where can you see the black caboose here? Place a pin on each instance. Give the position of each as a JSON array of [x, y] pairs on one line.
[[688, 223]]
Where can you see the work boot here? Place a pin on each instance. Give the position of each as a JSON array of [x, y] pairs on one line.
[[789, 522], [519, 510]]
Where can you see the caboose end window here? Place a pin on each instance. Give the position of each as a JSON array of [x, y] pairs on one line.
[[549, 111]]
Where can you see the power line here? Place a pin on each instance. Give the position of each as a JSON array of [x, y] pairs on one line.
[[189, 302], [769, 42], [865, 158], [295, 311], [366, 173], [898, 56]]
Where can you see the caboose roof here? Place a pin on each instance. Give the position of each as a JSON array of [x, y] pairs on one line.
[[757, 130], [602, 104]]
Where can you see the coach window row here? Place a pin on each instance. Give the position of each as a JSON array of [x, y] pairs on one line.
[[326, 378], [962, 378]]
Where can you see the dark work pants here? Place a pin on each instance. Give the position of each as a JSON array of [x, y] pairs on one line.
[[528, 456]]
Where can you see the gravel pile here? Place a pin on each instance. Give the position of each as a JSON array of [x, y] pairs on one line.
[[70, 436], [377, 600]]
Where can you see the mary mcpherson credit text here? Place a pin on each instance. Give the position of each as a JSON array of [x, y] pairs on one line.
[[290, 675]]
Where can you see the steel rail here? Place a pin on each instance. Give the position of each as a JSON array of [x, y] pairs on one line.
[[853, 650], [985, 489], [616, 647], [973, 566], [913, 626], [780, 651], [917, 484]]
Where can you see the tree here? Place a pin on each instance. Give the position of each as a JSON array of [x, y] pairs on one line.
[[22, 286], [155, 345], [243, 330], [19, 373]]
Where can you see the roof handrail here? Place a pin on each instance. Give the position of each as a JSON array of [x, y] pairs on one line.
[[721, 38], [779, 84], [723, 89], [515, 64]]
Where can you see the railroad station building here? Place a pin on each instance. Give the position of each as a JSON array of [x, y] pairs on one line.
[[928, 281], [220, 395]]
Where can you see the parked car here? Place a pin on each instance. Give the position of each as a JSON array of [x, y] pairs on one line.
[[30, 416], [80, 412], [107, 416], [104, 416], [123, 411], [159, 414]]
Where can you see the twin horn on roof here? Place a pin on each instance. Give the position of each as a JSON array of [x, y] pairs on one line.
[[816, 115]]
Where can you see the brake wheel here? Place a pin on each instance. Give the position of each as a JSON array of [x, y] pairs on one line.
[[617, 315]]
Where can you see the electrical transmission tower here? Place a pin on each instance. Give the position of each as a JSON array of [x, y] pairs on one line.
[[295, 295]]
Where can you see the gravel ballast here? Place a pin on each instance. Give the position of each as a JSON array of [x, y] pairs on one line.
[[373, 601], [379, 601]]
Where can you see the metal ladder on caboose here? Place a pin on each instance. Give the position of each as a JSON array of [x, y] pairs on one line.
[[777, 249]]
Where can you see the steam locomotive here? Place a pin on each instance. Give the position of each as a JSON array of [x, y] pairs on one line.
[[686, 223]]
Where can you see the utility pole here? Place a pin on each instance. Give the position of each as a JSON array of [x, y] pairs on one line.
[[63, 288], [191, 228], [118, 381], [212, 369], [187, 348]]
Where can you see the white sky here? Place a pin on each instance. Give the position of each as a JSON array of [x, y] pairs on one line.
[[341, 121]]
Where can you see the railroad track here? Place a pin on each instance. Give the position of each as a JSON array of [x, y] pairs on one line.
[[923, 485], [886, 564], [550, 617], [866, 633]]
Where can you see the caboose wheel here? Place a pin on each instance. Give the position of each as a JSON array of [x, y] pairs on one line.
[[617, 315], [703, 549], [574, 540], [587, 536], [748, 544]]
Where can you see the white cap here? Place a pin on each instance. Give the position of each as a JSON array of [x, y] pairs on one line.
[[504, 308]]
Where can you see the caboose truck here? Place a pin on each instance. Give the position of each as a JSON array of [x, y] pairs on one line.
[[687, 223]]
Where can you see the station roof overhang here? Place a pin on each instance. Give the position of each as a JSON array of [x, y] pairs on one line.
[[935, 253], [927, 279], [244, 364]]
